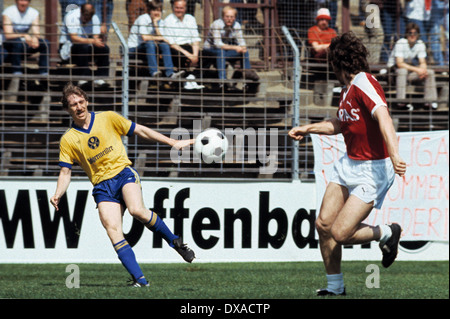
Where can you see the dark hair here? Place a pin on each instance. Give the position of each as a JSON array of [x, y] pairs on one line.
[[347, 53], [153, 5], [412, 26], [70, 89]]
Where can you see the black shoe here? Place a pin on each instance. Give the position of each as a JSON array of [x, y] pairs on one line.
[[326, 292], [390, 247], [185, 252]]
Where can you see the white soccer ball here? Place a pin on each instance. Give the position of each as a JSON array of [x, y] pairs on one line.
[[211, 145]]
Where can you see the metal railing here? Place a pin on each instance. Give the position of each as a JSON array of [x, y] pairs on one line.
[[32, 124]]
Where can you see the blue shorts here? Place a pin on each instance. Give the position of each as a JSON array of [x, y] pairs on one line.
[[111, 189]]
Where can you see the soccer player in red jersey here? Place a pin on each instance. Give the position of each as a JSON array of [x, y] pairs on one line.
[[365, 173]]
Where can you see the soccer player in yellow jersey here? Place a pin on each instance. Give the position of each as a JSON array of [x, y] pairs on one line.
[[94, 142]]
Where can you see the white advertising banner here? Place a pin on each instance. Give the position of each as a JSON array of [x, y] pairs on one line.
[[222, 221], [419, 200]]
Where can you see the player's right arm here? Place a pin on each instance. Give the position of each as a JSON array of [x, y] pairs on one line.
[[65, 175], [327, 127]]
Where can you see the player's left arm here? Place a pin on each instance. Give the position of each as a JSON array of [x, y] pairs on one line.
[[152, 135], [390, 138]]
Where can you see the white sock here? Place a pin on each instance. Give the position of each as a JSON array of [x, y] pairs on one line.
[[335, 283], [386, 233]]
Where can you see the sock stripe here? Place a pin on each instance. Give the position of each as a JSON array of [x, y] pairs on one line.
[[121, 244], [152, 220]]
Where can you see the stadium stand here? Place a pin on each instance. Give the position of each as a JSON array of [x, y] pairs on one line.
[[32, 121]]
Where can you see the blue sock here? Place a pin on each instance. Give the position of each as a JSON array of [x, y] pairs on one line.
[[156, 224], [128, 259]]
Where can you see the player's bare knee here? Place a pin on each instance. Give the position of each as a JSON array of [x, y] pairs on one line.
[[138, 213], [341, 236], [322, 227]]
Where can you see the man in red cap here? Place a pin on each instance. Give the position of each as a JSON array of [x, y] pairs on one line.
[[320, 35]]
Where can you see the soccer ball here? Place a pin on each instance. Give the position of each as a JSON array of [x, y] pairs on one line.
[[211, 146]]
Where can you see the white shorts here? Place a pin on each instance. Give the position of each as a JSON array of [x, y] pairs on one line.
[[368, 180]]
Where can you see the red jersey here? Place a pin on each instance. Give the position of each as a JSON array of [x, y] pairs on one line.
[[361, 131], [315, 34]]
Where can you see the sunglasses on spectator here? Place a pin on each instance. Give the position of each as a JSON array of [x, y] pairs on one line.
[[412, 33]]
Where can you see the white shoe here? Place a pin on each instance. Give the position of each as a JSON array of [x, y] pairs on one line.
[[100, 83], [383, 71], [82, 82], [177, 75], [410, 107], [192, 85]]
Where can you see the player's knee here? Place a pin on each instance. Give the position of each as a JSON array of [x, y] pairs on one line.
[[323, 228], [341, 236], [137, 212]]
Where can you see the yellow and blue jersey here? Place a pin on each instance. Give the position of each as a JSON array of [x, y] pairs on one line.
[[99, 150]]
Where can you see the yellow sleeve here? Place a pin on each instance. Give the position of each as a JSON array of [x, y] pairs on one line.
[[65, 154], [121, 124]]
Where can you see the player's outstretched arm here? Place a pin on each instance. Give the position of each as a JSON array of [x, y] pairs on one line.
[[152, 135], [61, 187], [328, 127], [390, 138]]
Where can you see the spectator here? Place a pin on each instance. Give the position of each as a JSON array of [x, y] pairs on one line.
[[3, 52], [429, 17], [225, 42], [104, 11], [190, 8], [135, 8], [182, 34], [320, 35], [409, 58], [390, 15], [145, 37], [22, 34], [81, 33]]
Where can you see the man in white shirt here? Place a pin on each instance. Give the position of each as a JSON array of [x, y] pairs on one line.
[[429, 16], [181, 31], [409, 57], [225, 41], [146, 36], [22, 35], [82, 31]]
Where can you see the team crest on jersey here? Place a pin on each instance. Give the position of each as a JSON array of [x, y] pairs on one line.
[[93, 142]]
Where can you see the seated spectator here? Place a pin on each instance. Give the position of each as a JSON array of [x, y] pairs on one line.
[[22, 36], [225, 42], [182, 33], [3, 52], [409, 59], [81, 40], [429, 17], [146, 37], [320, 35]]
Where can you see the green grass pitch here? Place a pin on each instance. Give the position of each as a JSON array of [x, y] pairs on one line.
[[275, 280]]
